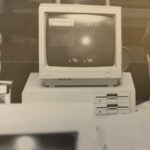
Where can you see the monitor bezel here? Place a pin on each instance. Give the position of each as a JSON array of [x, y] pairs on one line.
[[55, 72]]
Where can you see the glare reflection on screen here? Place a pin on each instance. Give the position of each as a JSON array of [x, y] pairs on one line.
[[25, 143]]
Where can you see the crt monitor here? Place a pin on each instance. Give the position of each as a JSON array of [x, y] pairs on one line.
[[79, 44], [46, 127]]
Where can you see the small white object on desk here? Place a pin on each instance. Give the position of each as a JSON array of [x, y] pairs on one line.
[[5, 91]]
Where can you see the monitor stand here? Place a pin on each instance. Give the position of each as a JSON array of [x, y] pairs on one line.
[[105, 100]]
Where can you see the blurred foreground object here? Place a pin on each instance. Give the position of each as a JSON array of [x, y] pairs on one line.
[[146, 38], [0, 39], [146, 44], [0, 50]]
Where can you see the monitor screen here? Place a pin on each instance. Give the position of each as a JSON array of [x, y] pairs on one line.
[[80, 39]]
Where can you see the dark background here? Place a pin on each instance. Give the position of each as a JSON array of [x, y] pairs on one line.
[[19, 28]]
